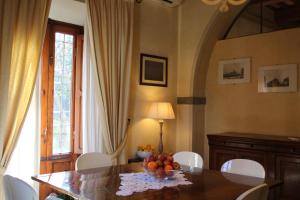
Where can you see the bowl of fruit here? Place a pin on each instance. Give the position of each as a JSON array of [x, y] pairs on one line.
[[144, 151], [161, 166]]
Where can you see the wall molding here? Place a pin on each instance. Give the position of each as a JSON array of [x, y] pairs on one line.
[[191, 100]]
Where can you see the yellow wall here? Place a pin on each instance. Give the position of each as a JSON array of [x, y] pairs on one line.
[[155, 32], [240, 107], [179, 34]]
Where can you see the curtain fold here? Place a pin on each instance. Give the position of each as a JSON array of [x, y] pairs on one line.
[[25, 160], [110, 25], [91, 128], [22, 29]]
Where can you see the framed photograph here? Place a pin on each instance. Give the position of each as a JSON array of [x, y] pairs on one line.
[[234, 71], [278, 78], [154, 70]]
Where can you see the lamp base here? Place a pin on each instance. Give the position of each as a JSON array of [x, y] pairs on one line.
[[161, 146]]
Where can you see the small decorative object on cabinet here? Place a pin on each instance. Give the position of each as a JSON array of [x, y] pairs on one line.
[[280, 156], [144, 151], [154, 70]]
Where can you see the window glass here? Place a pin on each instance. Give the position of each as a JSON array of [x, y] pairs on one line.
[[265, 16], [62, 94]]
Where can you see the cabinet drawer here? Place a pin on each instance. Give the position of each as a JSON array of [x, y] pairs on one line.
[[219, 156], [288, 149], [242, 145], [288, 170]]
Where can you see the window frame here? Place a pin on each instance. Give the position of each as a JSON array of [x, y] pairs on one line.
[[48, 63]]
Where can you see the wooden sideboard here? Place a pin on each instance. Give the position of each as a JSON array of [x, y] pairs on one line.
[[280, 157]]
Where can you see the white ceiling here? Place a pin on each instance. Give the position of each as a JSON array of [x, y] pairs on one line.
[[69, 11]]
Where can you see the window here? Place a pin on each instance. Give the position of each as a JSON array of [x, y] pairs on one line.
[[63, 70], [262, 16], [61, 97]]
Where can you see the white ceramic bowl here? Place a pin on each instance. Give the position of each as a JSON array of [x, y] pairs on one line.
[[143, 154]]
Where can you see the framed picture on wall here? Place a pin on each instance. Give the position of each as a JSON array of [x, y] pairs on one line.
[[234, 71], [153, 70], [278, 78]]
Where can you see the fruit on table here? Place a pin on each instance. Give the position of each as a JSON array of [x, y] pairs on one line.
[[161, 165], [152, 166], [151, 158], [170, 158], [161, 157], [166, 162], [168, 167]]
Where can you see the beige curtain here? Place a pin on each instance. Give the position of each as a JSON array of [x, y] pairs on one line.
[[22, 27], [110, 25]]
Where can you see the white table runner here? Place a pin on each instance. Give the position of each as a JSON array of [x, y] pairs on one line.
[[140, 182]]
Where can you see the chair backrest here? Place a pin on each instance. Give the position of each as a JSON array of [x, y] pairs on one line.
[[8, 191], [244, 167], [92, 160], [16, 189], [257, 193], [188, 158]]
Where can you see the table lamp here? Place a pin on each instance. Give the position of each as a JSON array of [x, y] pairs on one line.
[[161, 111]]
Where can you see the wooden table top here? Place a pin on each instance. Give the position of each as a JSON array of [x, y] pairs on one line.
[[103, 183]]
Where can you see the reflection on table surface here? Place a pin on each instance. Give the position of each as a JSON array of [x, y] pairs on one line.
[[103, 183]]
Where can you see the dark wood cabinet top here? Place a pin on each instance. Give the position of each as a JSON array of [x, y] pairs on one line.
[[235, 136], [103, 183]]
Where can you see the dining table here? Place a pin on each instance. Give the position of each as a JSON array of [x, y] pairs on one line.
[[103, 184]]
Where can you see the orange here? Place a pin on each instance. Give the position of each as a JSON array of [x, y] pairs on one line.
[[152, 166], [168, 167]]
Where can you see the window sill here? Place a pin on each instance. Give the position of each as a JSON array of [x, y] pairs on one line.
[[57, 157]]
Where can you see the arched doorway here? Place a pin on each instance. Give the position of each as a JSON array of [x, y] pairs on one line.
[[215, 30]]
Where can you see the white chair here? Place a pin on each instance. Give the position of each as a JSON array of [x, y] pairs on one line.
[[188, 158], [17, 189], [257, 193], [92, 160], [244, 167]]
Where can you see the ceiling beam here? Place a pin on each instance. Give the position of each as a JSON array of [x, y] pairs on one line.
[[288, 15], [276, 2]]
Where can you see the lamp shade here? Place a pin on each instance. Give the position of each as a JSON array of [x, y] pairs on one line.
[[161, 110]]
